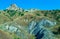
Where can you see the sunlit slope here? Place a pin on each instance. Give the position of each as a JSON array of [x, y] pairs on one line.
[[16, 17]]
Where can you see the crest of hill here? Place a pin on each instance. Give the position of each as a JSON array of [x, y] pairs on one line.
[[13, 12]]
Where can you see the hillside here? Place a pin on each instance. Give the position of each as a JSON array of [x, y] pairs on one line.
[[26, 24]]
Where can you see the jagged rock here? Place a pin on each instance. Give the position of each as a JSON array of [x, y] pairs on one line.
[[39, 30], [47, 23], [15, 7]]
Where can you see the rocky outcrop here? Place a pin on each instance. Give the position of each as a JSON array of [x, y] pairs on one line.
[[13, 7], [39, 30], [36, 28]]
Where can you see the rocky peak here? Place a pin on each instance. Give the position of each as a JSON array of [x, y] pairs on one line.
[[13, 7]]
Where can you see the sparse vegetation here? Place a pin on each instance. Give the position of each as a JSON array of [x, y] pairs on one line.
[[23, 18]]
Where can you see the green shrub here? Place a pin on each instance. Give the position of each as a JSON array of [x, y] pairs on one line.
[[11, 12], [22, 14], [38, 14]]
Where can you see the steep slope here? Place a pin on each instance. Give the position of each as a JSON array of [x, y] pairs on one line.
[[36, 28], [4, 17], [38, 24]]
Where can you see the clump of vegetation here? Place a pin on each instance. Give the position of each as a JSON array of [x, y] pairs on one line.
[[22, 14], [11, 12]]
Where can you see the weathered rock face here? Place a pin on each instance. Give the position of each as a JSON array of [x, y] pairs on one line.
[[39, 30], [48, 35], [36, 28], [18, 30], [11, 28]]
